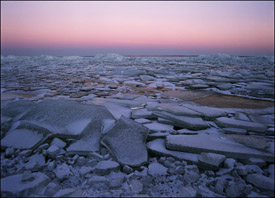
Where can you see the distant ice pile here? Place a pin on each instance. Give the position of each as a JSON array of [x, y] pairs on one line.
[[218, 59], [225, 59], [109, 57]]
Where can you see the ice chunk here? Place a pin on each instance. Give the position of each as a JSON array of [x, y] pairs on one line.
[[143, 121], [215, 144], [53, 150], [184, 121], [153, 127], [59, 143], [63, 171], [85, 170], [107, 125], [157, 169], [66, 118], [117, 111], [146, 77], [142, 113], [229, 122], [86, 144], [127, 142], [157, 147], [177, 110], [210, 161], [132, 82], [23, 139], [77, 126], [104, 167], [39, 158], [207, 112]]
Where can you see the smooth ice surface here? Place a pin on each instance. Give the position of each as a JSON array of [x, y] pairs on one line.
[[22, 139], [126, 140], [215, 144]]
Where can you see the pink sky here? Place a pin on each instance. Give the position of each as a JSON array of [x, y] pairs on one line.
[[87, 28]]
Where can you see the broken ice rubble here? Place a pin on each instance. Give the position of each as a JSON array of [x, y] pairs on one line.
[[111, 125]]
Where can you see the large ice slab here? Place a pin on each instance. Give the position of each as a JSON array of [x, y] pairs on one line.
[[154, 127], [23, 139], [177, 110], [86, 144], [184, 121], [214, 144], [117, 110], [207, 112], [14, 186], [126, 140], [157, 147], [229, 122], [66, 118]]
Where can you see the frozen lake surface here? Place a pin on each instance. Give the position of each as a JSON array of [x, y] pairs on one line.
[[112, 125]]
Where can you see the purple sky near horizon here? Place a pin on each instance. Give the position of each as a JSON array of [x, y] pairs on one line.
[[137, 28]]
